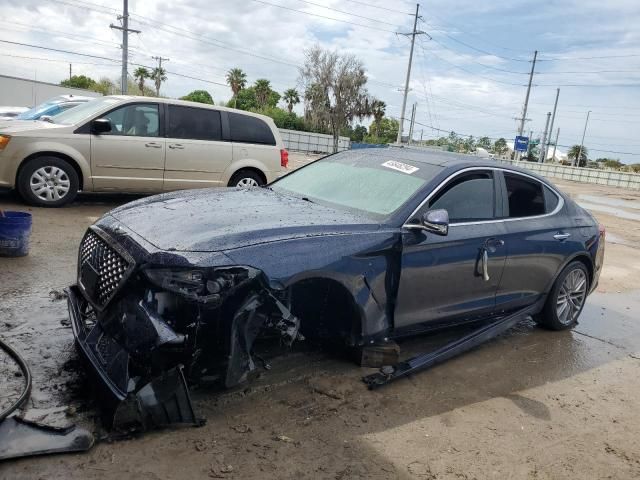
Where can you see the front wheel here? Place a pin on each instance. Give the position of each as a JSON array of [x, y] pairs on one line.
[[48, 182], [246, 179], [566, 299]]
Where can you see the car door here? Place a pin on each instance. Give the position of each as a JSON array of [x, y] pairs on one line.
[[196, 153], [442, 277], [130, 158], [539, 238]]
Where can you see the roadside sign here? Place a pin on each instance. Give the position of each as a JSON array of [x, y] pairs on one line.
[[521, 144]]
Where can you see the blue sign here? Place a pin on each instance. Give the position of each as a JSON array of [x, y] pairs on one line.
[[521, 144]]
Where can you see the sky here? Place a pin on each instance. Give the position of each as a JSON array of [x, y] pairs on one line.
[[470, 66]]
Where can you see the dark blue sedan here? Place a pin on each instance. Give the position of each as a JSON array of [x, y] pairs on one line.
[[361, 246]]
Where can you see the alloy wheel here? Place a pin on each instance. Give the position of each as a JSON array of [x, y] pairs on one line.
[[247, 182], [50, 183], [571, 296]]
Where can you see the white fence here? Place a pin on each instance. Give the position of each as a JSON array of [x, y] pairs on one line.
[[22, 92], [585, 175], [312, 142]]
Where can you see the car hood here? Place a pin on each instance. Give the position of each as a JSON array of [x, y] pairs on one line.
[[19, 126], [209, 220]]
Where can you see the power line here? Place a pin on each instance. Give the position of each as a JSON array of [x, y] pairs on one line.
[[58, 50], [54, 60], [346, 13], [324, 16], [379, 7], [590, 58]]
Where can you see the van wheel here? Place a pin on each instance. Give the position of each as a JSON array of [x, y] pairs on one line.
[[246, 179], [566, 298], [48, 182]]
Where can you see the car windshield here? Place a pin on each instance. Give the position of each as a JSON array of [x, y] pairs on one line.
[[84, 111], [374, 185], [36, 112]]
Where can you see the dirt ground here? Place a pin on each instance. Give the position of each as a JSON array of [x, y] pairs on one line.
[[531, 404]]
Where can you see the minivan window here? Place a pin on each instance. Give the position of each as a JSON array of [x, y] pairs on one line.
[[526, 198], [469, 197], [84, 111], [135, 120], [194, 123], [248, 129]]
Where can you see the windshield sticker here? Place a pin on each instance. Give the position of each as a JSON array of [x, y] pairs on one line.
[[401, 167]]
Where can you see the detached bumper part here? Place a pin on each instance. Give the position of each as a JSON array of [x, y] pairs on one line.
[[160, 402]]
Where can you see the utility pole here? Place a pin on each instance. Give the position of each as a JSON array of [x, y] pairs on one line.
[[413, 119], [553, 157], [406, 83], [582, 142], [125, 43], [70, 72], [526, 99], [543, 149], [160, 59], [553, 119]]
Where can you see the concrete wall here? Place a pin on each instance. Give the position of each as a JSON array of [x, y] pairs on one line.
[[21, 92], [312, 142], [584, 175]]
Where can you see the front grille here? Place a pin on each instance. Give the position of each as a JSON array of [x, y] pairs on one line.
[[102, 269]]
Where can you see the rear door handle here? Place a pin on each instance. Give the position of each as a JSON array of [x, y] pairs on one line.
[[153, 145], [492, 243], [561, 236], [176, 146]]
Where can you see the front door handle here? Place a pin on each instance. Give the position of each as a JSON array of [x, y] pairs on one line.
[[153, 145], [176, 146], [561, 236]]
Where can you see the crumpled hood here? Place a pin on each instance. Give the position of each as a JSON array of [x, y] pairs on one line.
[[216, 219], [18, 126]]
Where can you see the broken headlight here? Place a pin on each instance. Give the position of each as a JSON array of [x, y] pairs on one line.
[[206, 285]]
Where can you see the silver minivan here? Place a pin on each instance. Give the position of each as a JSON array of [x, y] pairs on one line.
[[138, 145]]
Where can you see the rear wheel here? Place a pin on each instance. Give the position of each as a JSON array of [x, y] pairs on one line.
[[48, 182], [246, 179], [566, 299]]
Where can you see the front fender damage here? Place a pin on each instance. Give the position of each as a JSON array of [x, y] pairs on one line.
[[151, 342]]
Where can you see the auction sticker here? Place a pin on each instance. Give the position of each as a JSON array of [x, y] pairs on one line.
[[401, 167]]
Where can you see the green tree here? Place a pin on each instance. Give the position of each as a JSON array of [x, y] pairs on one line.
[[358, 133], [158, 76], [378, 109], [200, 96], [291, 98], [237, 80], [610, 163], [244, 100], [386, 131], [79, 81], [573, 153], [262, 87], [105, 86], [141, 74], [335, 90], [500, 146], [484, 142]]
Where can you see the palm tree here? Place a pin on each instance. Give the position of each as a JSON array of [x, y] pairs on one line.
[[263, 90], [291, 97], [237, 80], [573, 155], [378, 109], [158, 75], [140, 74]]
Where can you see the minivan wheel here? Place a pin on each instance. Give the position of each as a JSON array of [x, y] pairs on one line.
[[566, 299], [48, 182], [246, 179]]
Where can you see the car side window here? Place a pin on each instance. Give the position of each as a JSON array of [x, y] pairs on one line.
[[467, 198], [194, 123], [550, 200], [248, 129], [526, 197], [137, 120]]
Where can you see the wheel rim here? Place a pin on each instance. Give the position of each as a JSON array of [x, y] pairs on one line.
[[571, 296], [247, 182], [50, 183]]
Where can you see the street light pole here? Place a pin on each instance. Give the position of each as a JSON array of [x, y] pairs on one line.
[[582, 142]]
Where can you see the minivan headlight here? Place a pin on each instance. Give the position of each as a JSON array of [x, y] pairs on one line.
[[4, 141]]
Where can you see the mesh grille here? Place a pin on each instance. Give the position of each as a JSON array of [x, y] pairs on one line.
[[109, 265]]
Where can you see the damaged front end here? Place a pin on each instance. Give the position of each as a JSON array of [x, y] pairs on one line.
[[148, 331]]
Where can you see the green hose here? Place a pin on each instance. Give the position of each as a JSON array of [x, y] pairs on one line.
[[27, 378]]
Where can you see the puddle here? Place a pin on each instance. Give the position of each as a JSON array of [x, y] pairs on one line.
[[615, 211], [613, 202]]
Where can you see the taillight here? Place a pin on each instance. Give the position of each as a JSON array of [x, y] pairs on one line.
[[284, 158]]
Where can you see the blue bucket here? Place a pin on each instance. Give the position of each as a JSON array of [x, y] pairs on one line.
[[15, 231]]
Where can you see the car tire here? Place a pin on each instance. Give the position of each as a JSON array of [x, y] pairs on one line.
[[246, 179], [48, 182], [566, 298]]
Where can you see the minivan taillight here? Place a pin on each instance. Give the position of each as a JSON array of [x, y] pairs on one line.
[[284, 158]]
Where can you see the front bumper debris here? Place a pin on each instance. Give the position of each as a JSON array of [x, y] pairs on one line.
[[136, 403]]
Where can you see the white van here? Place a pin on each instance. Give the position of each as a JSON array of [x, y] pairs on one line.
[[138, 145]]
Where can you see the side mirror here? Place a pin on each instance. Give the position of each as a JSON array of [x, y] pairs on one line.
[[46, 118], [436, 221], [100, 125]]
